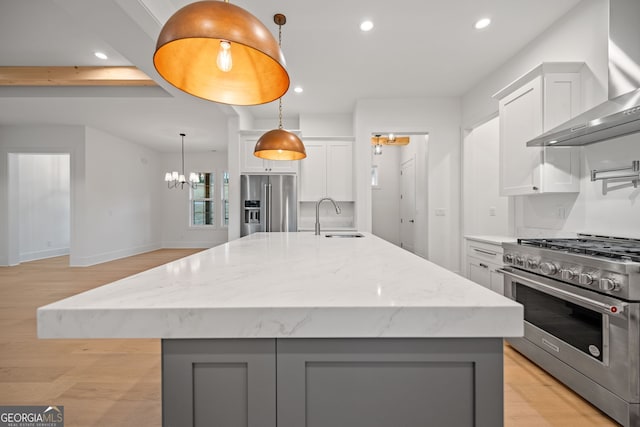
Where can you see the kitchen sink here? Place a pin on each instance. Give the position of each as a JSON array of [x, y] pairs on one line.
[[345, 235]]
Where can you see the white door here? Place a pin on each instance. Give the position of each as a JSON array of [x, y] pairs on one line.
[[408, 205]]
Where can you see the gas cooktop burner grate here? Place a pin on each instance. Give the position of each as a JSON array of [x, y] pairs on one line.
[[607, 247]]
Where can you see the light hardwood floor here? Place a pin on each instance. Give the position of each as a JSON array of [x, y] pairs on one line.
[[117, 382]]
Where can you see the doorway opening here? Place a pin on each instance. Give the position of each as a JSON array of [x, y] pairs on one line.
[[40, 201], [399, 178]]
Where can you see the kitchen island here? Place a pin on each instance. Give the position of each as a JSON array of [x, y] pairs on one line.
[[293, 329]]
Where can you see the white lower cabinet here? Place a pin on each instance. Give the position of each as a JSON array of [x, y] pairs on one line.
[[496, 279], [478, 272], [484, 261]]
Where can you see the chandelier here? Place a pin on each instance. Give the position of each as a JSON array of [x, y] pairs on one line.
[[178, 180]]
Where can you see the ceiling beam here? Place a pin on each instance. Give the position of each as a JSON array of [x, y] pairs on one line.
[[74, 76]]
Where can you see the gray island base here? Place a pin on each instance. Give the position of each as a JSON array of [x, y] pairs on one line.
[[359, 382]]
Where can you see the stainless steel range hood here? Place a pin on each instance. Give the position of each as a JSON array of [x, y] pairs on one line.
[[620, 115]]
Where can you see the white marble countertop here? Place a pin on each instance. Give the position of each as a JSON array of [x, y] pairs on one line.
[[495, 240], [287, 285]]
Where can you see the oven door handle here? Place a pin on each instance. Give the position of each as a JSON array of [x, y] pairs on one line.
[[609, 309]]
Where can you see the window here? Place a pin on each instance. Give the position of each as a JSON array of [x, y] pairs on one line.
[[225, 199], [374, 176], [204, 210], [202, 201]]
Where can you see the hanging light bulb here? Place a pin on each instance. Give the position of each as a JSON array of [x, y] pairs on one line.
[[224, 60], [377, 145]]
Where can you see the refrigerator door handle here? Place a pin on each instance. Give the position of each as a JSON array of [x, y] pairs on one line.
[[267, 208]]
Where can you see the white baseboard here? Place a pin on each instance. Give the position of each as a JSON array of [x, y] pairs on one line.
[[191, 244], [47, 253], [80, 261]]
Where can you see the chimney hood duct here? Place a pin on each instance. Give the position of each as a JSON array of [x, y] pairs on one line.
[[620, 115]]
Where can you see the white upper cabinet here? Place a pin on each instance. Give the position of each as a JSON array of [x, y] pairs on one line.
[[537, 102], [252, 164], [327, 171]]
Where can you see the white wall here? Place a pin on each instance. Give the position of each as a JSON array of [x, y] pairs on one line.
[[440, 118], [590, 211], [44, 205], [38, 139], [288, 123], [176, 232], [485, 211], [581, 35], [121, 214], [233, 165], [326, 125], [118, 205]]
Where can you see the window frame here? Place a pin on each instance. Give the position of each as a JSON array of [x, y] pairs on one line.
[[217, 198], [224, 203], [211, 198]]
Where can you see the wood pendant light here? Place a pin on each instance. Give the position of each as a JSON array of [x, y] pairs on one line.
[[188, 47], [279, 144]]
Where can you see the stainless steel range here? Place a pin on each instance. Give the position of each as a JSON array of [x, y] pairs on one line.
[[581, 301]]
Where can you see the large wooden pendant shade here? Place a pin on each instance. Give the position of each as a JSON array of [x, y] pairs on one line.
[[188, 45]]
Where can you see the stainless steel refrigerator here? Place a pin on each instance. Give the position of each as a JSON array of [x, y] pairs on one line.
[[269, 203]]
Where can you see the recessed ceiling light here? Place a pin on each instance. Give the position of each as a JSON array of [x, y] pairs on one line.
[[298, 89], [100, 55], [366, 26], [482, 23]]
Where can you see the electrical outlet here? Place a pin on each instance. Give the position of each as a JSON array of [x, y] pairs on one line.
[[560, 212], [492, 211], [440, 212]]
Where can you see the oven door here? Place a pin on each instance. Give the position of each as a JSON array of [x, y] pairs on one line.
[[586, 330]]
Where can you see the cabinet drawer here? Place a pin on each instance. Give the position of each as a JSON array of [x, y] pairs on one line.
[[485, 251]]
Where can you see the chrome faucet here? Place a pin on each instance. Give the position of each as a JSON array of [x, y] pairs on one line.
[[335, 205]]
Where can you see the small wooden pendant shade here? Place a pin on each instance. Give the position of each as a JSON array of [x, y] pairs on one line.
[[279, 144]]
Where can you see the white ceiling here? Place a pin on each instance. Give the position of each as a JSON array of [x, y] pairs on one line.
[[416, 49]]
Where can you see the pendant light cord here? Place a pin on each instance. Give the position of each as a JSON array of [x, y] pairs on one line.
[[182, 135]]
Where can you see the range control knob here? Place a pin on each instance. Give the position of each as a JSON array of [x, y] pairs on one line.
[[532, 264], [585, 279], [567, 274], [520, 261], [607, 284], [548, 268], [508, 258]]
